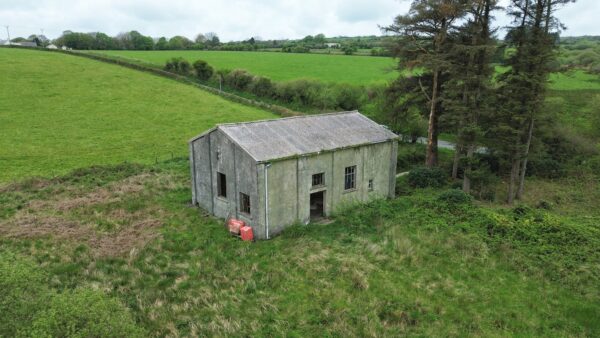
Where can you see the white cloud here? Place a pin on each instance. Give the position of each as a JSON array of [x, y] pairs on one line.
[[233, 19]]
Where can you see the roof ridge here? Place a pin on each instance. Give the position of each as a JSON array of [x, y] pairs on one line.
[[287, 118]]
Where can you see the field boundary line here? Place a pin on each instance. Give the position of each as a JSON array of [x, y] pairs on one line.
[[279, 110]]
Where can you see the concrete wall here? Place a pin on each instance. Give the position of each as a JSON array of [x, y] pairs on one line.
[[215, 153], [289, 181]]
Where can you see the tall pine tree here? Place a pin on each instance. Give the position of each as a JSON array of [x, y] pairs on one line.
[[423, 45], [523, 86]]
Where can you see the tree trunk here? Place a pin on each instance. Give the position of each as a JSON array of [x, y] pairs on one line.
[[432, 141], [524, 164], [467, 174], [457, 152], [514, 173]]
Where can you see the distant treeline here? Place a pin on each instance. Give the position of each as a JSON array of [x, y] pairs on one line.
[[134, 40]]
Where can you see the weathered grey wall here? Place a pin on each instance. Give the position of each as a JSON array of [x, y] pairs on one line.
[[283, 189], [307, 167], [201, 191], [289, 181]]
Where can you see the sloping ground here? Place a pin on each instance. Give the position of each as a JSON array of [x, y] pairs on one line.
[[416, 266], [359, 70], [59, 112]]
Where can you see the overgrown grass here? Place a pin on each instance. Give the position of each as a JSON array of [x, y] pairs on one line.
[[357, 70], [60, 112], [417, 265]]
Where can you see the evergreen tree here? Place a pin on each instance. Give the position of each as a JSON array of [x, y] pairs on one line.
[[423, 45], [523, 86], [468, 91]]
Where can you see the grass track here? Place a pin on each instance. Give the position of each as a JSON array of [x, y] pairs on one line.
[[60, 112], [360, 70]]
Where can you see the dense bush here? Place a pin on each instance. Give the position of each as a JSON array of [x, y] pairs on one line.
[[178, 65], [203, 70], [347, 96], [238, 79], [427, 177], [455, 197], [303, 92], [262, 86], [410, 155]]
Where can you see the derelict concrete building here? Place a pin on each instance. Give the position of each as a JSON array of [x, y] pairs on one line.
[[273, 173]]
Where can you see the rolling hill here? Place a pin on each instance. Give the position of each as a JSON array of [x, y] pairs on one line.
[[60, 112]]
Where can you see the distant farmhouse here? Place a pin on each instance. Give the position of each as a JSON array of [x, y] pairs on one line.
[[332, 45], [25, 44], [274, 173]]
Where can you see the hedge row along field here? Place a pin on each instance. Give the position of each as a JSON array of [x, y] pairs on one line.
[[59, 112], [569, 95], [357, 70]]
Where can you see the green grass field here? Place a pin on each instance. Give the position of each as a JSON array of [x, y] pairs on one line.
[[60, 112], [360, 70], [412, 266]]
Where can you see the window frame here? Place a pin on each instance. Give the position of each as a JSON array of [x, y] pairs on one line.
[[350, 178], [245, 206], [370, 185], [221, 185], [320, 177]]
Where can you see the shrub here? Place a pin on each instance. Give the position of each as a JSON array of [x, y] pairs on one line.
[[302, 91], [454, 196], [262, 86], [427, 177], [178, 65], [410, 156], [238, 79], [203, 70], [347, 97]]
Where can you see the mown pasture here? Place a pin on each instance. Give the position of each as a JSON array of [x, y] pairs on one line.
[[60, 112]]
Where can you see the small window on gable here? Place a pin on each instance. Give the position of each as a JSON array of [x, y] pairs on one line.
[[244, 203], [350, 178], [318, 180], [370, 185], [221, 185]]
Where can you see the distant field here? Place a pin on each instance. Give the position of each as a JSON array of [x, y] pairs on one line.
[[60, 112], [359, 70]]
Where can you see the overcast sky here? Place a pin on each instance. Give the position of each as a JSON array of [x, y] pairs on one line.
[[233, 19]]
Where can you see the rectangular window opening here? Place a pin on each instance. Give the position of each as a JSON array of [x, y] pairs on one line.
[[318, 180], [350, 178], [221, 185], [244, 203], [370, 185]]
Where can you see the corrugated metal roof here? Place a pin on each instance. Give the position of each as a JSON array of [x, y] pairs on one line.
[[285, 137]]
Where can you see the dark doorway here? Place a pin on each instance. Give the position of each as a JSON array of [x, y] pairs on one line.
[[317, 201]]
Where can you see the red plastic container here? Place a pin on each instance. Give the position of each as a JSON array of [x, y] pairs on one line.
[[235, 225], [246, 233]]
